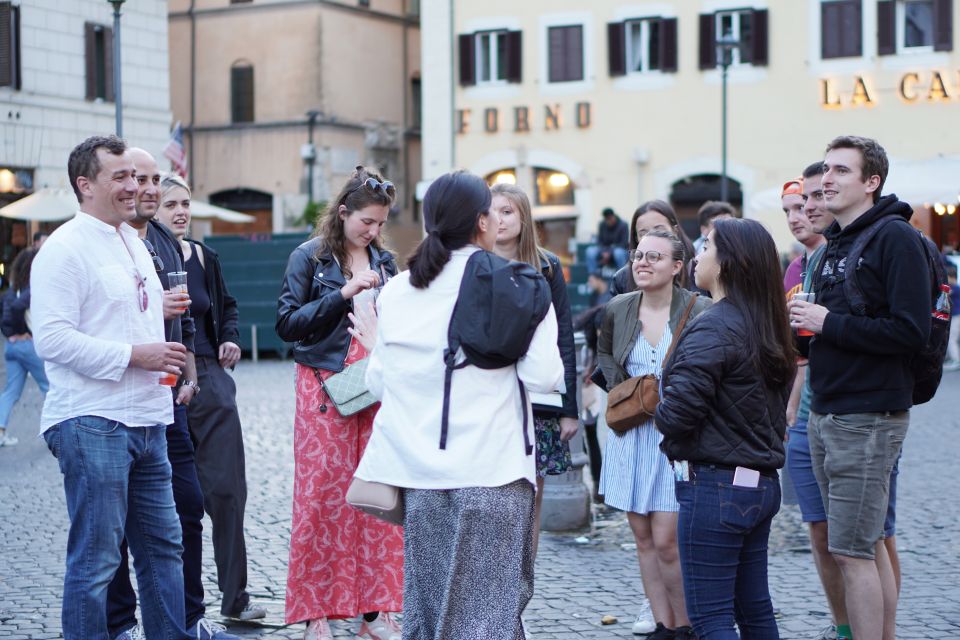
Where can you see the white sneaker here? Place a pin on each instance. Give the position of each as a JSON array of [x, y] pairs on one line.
[[318, 630], [8, 441], [250, 612], [645, 623], [133, 633], [383, 628]]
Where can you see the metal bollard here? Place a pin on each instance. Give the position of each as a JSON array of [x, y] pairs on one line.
[[566, 499]]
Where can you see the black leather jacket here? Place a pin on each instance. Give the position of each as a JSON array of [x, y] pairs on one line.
[[311, 311], [715, 406], [553, 272]]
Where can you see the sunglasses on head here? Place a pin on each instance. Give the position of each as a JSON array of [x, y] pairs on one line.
[[157, 260]]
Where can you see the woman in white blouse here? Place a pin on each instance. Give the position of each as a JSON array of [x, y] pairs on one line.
[[469, 507]]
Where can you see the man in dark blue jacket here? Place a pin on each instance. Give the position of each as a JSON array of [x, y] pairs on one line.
[[860, 371]]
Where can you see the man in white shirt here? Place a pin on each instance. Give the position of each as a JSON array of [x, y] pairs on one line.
[[98, 323]]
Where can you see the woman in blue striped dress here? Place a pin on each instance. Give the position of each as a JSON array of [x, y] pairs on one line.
[[636, 477]]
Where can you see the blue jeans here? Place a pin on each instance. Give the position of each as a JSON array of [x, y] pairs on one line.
[[618, 257], [117, 480], [722, 534], [20, 359], [121, 598]]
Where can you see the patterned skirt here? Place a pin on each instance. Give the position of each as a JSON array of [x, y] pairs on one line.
[[468, 561], [342, 561], [553, 454]]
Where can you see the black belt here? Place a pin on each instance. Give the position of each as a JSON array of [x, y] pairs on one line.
[[697, 466]]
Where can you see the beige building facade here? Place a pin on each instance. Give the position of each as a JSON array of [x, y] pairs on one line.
[[280, 100], [617, 102]]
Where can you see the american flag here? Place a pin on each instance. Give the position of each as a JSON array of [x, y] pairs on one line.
[[176, 152]]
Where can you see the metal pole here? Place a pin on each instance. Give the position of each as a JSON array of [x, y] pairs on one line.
[[311, 161], [723, 128], [117, 89]]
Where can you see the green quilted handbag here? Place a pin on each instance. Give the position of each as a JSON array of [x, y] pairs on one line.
[[347, 389]]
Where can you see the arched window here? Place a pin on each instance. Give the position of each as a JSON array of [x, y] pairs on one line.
[[552, 188], [241, 92], [508, 176]]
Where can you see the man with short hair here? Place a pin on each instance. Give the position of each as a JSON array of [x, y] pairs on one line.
[[188, 497], [709, 212], [98, 324], [39, 238], [611, 247], [860, 371]]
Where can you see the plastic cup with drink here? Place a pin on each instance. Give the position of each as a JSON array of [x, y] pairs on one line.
[[178, 284], [805, 296]]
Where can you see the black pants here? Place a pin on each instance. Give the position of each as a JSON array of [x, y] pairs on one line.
[[215, 427], [121, 598], [593, 450]]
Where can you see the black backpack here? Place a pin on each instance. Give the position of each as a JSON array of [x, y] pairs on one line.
[[499, 307], [927, 364]]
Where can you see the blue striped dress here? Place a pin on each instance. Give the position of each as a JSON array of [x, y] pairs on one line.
[[636, 476]]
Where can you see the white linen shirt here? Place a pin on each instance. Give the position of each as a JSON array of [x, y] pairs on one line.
[[485, 443], [86, 317]]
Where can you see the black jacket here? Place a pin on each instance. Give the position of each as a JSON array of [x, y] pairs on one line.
[[312, 313], [14, 310], [616, 236], [167, 248], [862, 363], [553, 272], [223, 317], [715, 406]]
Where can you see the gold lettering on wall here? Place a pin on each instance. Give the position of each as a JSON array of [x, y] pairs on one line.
[[463, 120], [938, 91], [907, 88], [552, 117], [861, 97], [521, 119], [828, 95], [491, 120], [583, 115]]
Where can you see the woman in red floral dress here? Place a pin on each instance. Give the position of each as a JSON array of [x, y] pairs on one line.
[[342, 562]]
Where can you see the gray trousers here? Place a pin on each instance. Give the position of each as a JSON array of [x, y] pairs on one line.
[[468, 562], [215, 429]]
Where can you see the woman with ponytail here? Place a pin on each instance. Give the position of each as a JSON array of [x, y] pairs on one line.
[[468, 565], [342, 562]]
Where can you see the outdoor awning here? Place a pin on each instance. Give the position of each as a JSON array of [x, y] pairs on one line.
[[55, 205]]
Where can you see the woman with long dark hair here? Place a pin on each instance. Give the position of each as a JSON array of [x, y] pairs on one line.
[[342, 562], [638, 329], [468, 565], [19, 355], [555, 415], [722, 413], [653, 215]]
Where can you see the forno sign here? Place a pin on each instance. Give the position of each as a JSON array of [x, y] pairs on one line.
[[522, 119]]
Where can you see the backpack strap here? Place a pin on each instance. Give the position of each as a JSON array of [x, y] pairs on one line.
[[851, 285], [527, 447]]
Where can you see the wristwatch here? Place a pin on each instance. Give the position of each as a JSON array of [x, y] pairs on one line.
[[196, 387]]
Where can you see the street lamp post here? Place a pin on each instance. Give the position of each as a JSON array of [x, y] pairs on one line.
[[725, 47], [117, 89]]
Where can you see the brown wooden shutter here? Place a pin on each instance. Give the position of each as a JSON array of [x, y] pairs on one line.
[[6, 45], [514, 56], [616, 48], [708, 41], [16, 49], [760, 38], [575, 53], [886, 27], [841, 29], [108, 64], [943, 25], [668, 45], [467, 60], [90, 59], [830, 30], [241, 94]]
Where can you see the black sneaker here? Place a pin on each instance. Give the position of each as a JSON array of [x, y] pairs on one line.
[[662, 633], [684, 633]]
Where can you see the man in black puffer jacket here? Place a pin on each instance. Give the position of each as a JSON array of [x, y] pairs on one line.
[[860, 371]]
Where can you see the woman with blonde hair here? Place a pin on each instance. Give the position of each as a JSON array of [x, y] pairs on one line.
[[343, 562], [555, 415]]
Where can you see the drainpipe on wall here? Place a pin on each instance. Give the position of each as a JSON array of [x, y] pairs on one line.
[[193, 87]]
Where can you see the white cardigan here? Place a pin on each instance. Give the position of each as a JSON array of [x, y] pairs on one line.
[[485, 443]]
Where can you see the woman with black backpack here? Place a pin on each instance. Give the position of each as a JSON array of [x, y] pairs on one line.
[[468, 566]]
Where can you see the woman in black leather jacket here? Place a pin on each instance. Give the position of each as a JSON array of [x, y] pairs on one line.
[[650, 216], [342, 561], [555, 416], [722, 413]]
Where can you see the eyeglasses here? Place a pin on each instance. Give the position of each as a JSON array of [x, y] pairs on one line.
[[652, 257], [142, 298], [157, 260]]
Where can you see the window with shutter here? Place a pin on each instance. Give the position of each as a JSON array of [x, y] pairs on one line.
[[98, 54], [708, 42], [565, 51], [841, 29], [10, 46], [943, 25], [491, 57], [241, 93]]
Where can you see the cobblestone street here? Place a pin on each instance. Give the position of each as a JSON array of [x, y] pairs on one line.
[[581, 576]]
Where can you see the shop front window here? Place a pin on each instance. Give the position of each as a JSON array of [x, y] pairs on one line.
[[552, 188], [503, 176]]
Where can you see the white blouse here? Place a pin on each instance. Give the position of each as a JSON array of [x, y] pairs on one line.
[[485, 442]]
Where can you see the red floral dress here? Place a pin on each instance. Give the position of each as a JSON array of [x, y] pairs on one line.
[[342, 562]]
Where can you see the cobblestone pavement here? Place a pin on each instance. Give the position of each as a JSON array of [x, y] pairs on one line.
[[581, 576]]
